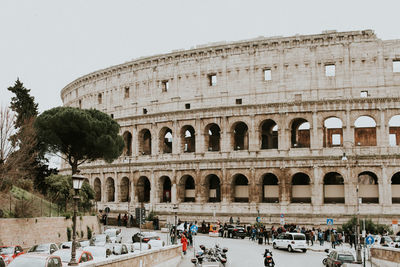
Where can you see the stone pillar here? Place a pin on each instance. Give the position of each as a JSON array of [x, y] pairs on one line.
[[382, 131], [348, 134], [103, 188], [284, 141], [384, 185], [224, 187], [174, 193], [253, 138], [315, 135], [155, 144], [176, 139], [134, 143], [153, 189], [284, 188], [116, 187], [225, 135], [317, 187], [200, 146]]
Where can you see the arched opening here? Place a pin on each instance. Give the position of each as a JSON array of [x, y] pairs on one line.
[[128, 143], [145, 142], [396, 188], [240, 188], [301, 189], [270, 188], [187, 189], [124, 190], [110, 189], [143, 188], [365, 131], [368, 187], [97, 189], [269, 135], [188, 139], [166, 140], [300, 133], [213, 133], [333, 132], [165, 186], [394, 130], [214, 188], [240, 136], [333, 188]]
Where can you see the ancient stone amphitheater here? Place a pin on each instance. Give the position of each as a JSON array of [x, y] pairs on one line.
[[300, 127]]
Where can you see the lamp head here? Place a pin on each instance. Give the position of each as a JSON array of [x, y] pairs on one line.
[[77, 180]]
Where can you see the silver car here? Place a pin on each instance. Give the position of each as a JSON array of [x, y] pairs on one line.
[[48, 248]]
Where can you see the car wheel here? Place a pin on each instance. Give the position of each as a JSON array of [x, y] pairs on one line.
[[274, 246], [324, 261], [304, 250], [242, 237], [289, 248]]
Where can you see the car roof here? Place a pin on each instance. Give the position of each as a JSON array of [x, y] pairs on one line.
[[35, 255]]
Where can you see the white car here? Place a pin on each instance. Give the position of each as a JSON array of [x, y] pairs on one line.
[[156, 243], [384, 241], [396, 241], [114, 234], [290, 241], [98, 253]]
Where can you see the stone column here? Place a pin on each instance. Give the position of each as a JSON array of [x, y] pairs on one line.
[[315, 135], [155, 144], [103, 188], [224, 187], [284, 188], [384, 184], [225, 135], [174, 193], [200, 146], [116, 187], [153, 189], [284, 141], [317, 188], [253, 138], [134, 143], [176, 139], [348, 134], [382, 131]]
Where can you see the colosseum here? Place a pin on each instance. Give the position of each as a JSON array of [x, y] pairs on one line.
[[307, 127]]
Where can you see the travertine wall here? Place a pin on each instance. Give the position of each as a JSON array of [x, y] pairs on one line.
[[364, 83], [385, 257], [30, 231]]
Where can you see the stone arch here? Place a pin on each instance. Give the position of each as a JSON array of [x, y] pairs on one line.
[[213, 137], [166, 140], [186, 189], [110, 189], [333, 132], [97, 189], [213, 185], [394, 130], [300, 133], [270, 188], [124, 189], [333, 188], [145, 142], [127, 143], [395, 185], [165, 189], [368, 189], [143, 188], [240, 188], [240, 136], [188, 139], [365, 131], [301, 189], [269, 134]]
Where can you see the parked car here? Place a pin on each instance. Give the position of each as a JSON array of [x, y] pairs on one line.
[[84, 243], [114, 234], [396, 241], [384, 241], [81, 256], [48, 248], [338, 258], [236, 231], [2, 263], [119, 249], [98, 253], [9, 253], [290, 241], [69, 245], [156, 243], [145, 236], [36, 260], [100, 240]]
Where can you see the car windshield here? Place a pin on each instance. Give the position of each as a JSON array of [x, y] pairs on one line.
[[39, 248], [28, 261], [65, 255], [7, 250], [299, 237], [345, 257]]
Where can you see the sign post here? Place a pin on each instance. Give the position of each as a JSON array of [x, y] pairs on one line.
[[329, 221], [282, 219]]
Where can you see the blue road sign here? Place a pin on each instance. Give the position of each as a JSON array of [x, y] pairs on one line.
[[258, 219], [194, 228], [282, 215], [329, 221], [369, 240]]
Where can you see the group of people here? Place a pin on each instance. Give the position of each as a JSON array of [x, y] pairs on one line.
[[123, 221]]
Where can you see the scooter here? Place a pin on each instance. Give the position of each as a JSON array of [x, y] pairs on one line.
[[268, 261], [324, 261]]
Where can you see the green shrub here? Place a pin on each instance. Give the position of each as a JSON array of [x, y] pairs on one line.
[[89, 232], [82, 234], [69, 234]]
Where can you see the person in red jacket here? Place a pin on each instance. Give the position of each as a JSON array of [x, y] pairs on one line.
[[184, 243]]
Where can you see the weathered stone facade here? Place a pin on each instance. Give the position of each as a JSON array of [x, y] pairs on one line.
[[254, 127]]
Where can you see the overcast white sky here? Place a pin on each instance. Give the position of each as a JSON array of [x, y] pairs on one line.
[[48, 44]]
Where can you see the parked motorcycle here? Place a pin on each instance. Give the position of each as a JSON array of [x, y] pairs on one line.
[[268, 261], [210, 257]]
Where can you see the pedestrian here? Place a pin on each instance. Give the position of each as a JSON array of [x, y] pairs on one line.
[[312, 236], [184, 243], [190, 238], [266, 236], [225, 235], [131, 220], [125, 220], [231, 220], [119, 219]]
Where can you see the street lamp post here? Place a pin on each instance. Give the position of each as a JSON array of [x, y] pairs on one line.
[[77, 181], [358, 242], [176, 226]]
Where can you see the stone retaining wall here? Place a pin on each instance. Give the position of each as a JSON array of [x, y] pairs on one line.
[[167, 256], [385, 257], [27, 232]]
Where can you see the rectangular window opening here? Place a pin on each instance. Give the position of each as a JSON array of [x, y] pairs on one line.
[[126, 94], [165, 85], [187, 106], [99, 98], [112, 116], [80, 103], [144, 111], [330, 70], [267, 75], [212, 79], [336, 139], [396, 65], [392, 140], [364, 94], [238, 101]]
